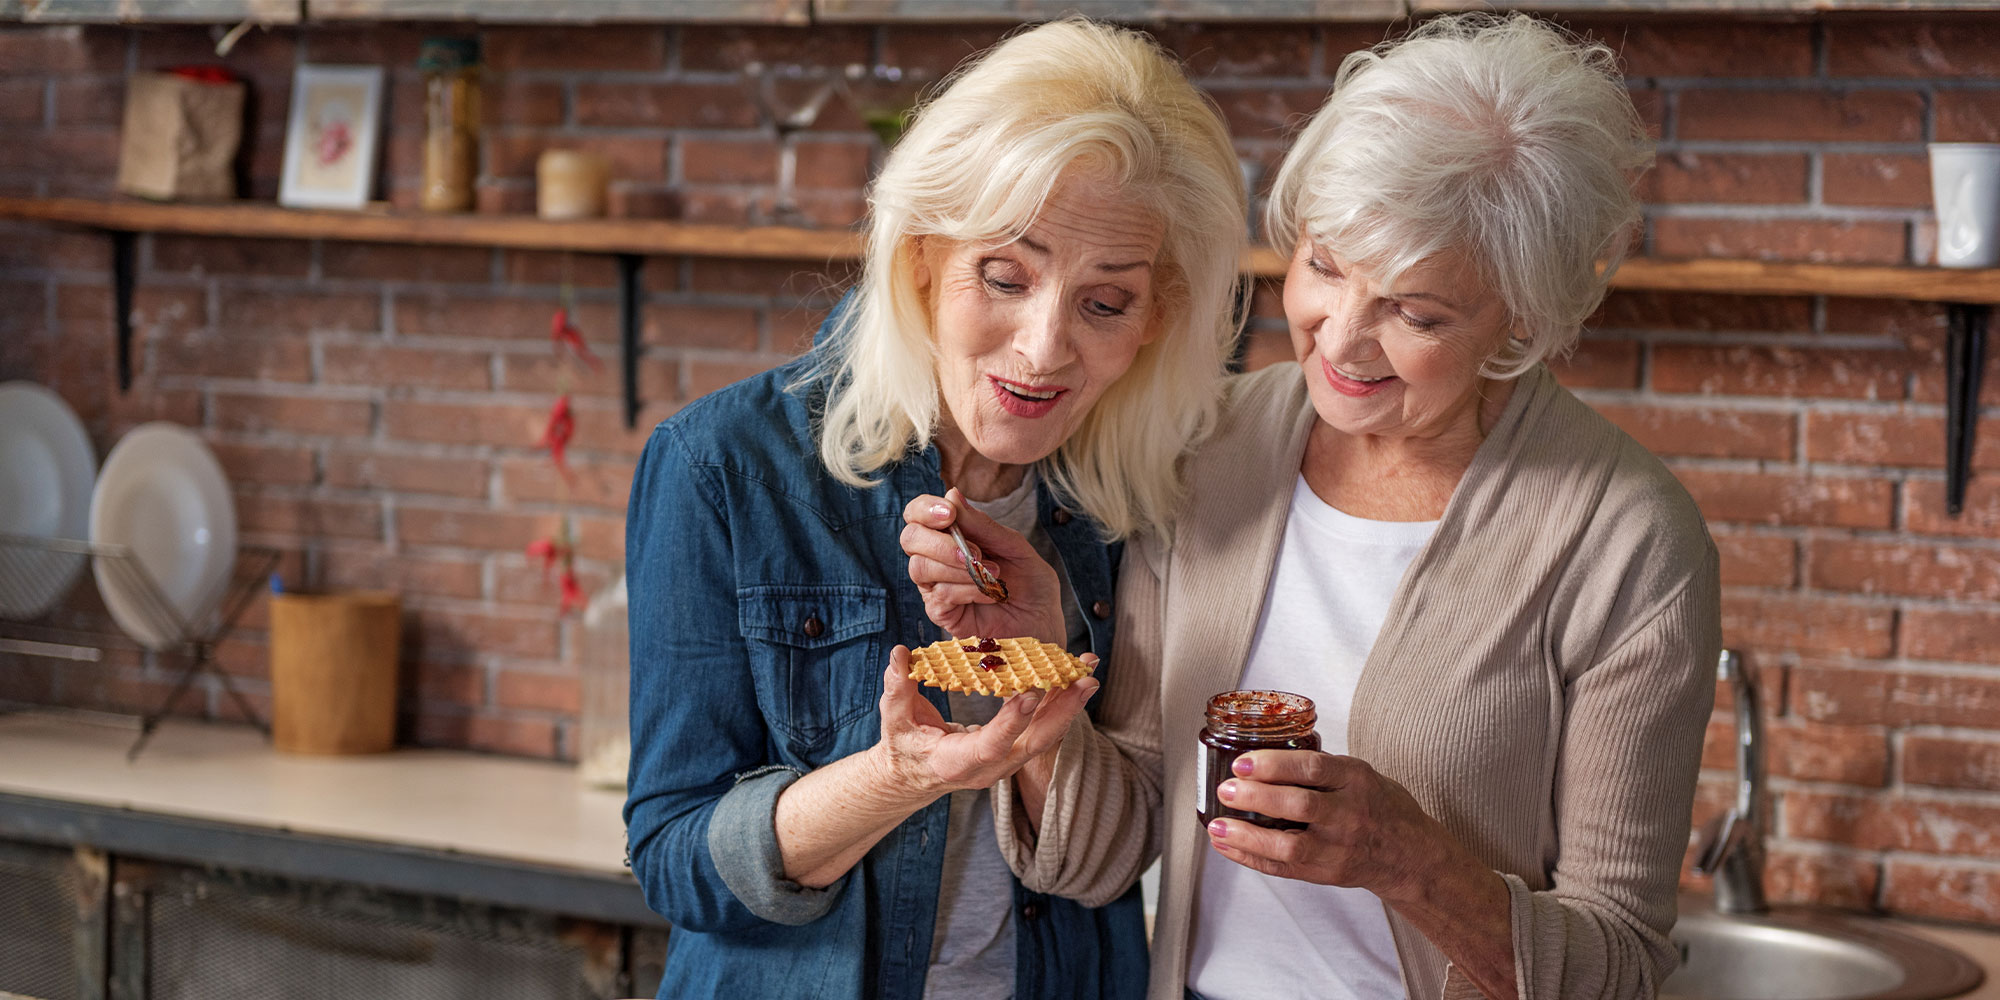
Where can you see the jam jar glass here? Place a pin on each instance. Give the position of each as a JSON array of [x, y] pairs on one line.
[[1237, 723]]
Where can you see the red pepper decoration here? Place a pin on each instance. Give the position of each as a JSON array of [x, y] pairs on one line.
[[556, 435], [546, 551], [572, 593], [562, 333]]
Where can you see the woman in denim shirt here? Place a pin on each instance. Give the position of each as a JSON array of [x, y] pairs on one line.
[[1041, 322]]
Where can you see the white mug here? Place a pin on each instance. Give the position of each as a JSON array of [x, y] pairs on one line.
[[1965, 187]]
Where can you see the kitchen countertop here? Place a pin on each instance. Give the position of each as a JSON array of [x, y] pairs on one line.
[[419, 812]]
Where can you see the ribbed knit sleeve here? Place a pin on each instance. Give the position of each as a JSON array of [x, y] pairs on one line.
[[1100, 823]]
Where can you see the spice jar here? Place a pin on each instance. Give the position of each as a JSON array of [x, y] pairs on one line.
[[451, 123], [1242, 721]]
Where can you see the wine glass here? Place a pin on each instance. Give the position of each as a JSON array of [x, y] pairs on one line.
[[789, 99]]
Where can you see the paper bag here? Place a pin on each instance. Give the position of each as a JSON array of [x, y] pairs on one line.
[[180, 137]]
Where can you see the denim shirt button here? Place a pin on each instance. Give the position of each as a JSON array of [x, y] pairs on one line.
[[1100, 610], [814, 628], [1030, 911], [1061, 516]]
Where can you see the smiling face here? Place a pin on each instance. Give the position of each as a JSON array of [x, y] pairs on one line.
[[1401, 365], [1030, 334]]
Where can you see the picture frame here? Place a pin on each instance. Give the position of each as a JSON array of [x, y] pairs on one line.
[[332, 135]]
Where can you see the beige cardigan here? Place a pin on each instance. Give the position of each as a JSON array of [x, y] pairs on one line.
[[1540, 685]]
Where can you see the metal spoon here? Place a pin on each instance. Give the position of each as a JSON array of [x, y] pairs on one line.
[[988, 584]]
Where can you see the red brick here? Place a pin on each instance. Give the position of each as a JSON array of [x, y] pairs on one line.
[[627, 47], [1946, 891], [793, 328], [515, 632], [1821, 878], [600, 538], [1705, 431], [70, 154], [595, 483], [1700, 312], [729, 161], [1652, 108], [22, 103], [414, 367], [231, 255], [526, 584], [1888, 823], [1850, 696], [296, 414], [1839, 242], [833, 164], [386, 43], [1814, 625], [182, 406], [705, 377], [1961, 636], [1718, 745], [1968, 115], [731, 48], [1875, 179], [521, 737], [504, 424], [1924, 509], [934, 50], [159, 313], [1781, 498], [282, 515], [1848, 755], [374, 470], [511, 103], [1802, 115], [410, 575], [493, 317], [642, 201], [1951, 763], [631, 157], [389, 262], [279, 465], [1266, 112], [500, 531], [298, 311], [1904, 569], [600, 427], [1241, 50], [454, 683], [1921, 323], [1779, 371], [728, 328], [783, 279], [538, 691], [275, 359], [549, 373], [1708, 47], [495, 197], [1927, 47], [1726, 178], [263, 56], [665, 105], [66, 49], [1757, 560], [1891, 438], [586, 270], [1595, 364]]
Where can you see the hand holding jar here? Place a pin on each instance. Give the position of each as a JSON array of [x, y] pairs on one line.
[[1350, 825]]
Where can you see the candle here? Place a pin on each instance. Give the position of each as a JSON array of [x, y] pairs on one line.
[[570, 184]]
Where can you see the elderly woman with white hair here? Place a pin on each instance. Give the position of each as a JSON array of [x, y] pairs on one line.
[[1042, 322], [1503, 609]]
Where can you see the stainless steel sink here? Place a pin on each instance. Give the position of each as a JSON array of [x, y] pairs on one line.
[[1802, 954]]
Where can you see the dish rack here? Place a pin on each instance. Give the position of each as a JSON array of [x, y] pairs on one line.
[[25, 559]]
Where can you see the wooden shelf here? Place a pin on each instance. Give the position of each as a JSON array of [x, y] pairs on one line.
[[666, 238]]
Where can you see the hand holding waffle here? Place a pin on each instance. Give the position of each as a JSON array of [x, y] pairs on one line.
[[924, 751], [951, 598]]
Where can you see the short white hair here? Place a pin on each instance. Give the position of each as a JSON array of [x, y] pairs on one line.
[[1503, 138], [975, 166]]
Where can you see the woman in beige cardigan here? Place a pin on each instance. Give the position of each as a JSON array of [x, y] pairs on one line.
[[1506, 610]]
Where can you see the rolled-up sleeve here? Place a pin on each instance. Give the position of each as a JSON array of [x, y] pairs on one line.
[[702, 791]]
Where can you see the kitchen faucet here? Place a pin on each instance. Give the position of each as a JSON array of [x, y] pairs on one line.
[[1731, 846]]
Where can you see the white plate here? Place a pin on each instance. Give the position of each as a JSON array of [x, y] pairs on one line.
[[162, 493], [46, 469]]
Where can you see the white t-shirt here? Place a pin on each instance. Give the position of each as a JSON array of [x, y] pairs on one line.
[[1259, 936]]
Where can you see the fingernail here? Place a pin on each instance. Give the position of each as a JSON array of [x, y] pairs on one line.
[[940, 510], [1031, 699], [1242, 766], [1227, 789], [1218, 829]]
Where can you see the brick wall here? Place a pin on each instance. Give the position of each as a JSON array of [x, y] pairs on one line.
[[376, 406]]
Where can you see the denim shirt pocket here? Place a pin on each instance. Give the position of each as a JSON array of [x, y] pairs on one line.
[[816, 653]]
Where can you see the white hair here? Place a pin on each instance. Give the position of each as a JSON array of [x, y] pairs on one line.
[[976, 166], [1502, 138]]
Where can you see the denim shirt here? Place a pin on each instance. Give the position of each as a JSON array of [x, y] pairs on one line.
[[765, 596]]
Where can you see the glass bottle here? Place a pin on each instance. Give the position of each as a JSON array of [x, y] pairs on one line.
[[1239, 722], [451, 123]]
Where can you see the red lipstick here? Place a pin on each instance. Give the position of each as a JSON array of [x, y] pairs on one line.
[[1349, 387], [1008, 392]]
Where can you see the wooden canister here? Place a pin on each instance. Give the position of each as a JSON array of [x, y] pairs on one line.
[[333, 672], [571, 184]]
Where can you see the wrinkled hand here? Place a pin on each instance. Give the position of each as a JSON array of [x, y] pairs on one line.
[[925, 752], [1034, 598], [1364, 830]]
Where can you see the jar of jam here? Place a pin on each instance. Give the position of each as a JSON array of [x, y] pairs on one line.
[[1242, 721]]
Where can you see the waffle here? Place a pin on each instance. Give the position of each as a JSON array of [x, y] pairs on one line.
[[954, 665]]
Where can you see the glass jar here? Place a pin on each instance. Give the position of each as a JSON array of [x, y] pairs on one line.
[[451, 123], [604, 728], [1242, 721]]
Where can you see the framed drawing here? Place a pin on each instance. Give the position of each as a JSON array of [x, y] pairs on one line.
[[331, 137]]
